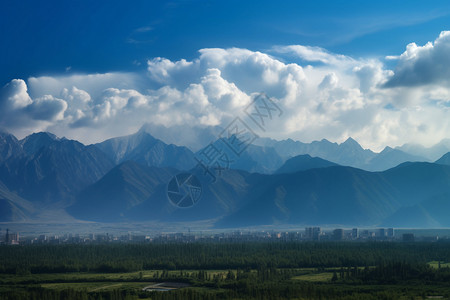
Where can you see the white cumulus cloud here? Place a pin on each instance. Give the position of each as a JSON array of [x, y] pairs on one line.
[[337, 97], [422, 65]]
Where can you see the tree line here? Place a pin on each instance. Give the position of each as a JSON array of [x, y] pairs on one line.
[[36, 259]]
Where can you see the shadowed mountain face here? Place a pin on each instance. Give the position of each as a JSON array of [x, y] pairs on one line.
[[9, 146], [303, 163], [34, 142], [143, 148], [135, 192], [327, 195], [333, 195], [55, 172], [123, 188], [342, 195]]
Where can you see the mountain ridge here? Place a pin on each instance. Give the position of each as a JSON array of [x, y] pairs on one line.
[[143, 148], [127, 177], [303, 163]]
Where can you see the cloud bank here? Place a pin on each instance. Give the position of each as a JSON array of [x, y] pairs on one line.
[[327, 95]]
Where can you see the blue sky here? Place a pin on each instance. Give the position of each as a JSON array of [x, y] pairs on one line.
[[94, 69], [46, 37]]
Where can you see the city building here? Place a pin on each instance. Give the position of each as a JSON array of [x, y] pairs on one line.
[[355, 233], [313, 233], [338, 234], [11, 238], [390, 232]]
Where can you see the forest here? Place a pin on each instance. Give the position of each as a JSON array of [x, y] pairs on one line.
[[257, 270]]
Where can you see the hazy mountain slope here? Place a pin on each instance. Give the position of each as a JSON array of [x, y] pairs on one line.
[[348, 153], [438, 207], [134, 192], [412, 216], [334, 195], [225, 196], [253, 159], [430, 213], [143, 148], [444, 160], [342, 195], [195, 138], [266, 160], [303, 163], [124, 187], [431, 154], [13, 208], [389, 158], [416, 182], [425, 190]]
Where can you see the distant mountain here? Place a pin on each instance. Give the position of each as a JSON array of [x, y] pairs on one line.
[[143, 148], [266, 160], [123, 188], [13, 208], [389, 158], [431, 153], [55, 172], [9, 146], [195, 138], [348, 153], [348, 196], [254, 158], [44, 173], [303, 163], [132, 192], [444, 160]]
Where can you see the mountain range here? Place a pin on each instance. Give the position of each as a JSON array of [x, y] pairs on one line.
[[348, 153], [271, 182]]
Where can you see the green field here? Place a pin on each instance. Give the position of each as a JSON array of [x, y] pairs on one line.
[[96, 286], [315, 277], [435, 264], [347, 271]]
